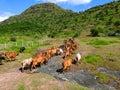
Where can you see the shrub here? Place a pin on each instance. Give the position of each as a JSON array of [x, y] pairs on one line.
[[94, 32], [13, 39]]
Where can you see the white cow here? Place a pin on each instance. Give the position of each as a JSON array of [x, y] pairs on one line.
[[26, 63], [78, 57]]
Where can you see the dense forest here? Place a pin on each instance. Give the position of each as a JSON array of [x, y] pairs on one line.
[[50, 20]]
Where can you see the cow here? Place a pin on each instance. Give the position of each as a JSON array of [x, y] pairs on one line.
[[67, 63], [11, 55], [47, 58], [26, 63], [67, 53], [60, 51], [54, 50], [22, 49], [48, 51], [2, 57], [37, 60], [78, 58]]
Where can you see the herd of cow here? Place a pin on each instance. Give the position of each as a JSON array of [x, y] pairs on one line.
[[67, 49]]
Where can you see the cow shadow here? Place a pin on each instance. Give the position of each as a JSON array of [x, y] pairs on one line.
[[59, 70], [25, 68]]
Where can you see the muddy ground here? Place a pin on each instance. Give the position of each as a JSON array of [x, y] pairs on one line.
[[74, 74]]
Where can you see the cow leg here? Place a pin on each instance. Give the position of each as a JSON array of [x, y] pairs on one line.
[[69, 68], [22, 70]]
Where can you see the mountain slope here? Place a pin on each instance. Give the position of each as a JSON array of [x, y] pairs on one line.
[[104, 19], [53, 21], [46, 18]]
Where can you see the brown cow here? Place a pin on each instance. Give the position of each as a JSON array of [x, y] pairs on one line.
[[47, 58], [11, 55], [48, 51], [67, 63], [39, 54], [67, 53], [54, 50], [37, 60]]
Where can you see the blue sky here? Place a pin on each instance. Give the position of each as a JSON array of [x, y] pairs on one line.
[[14, 7]]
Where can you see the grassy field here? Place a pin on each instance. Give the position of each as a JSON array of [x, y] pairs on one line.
[[96, 52]]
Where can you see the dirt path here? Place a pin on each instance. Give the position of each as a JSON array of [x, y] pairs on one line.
[[11, 79]]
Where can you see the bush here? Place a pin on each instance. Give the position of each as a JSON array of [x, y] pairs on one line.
[[94, 32], [13, 39]]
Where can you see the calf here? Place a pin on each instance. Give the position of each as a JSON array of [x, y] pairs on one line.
[[26, 63], [11, 55]]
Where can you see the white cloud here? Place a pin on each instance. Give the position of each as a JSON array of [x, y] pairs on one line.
[[72, 2], [78, 2], [5, 15]]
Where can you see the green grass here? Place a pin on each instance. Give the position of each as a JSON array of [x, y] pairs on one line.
[[103, 78], [75, 86], [0, 61], [101, 42], [103, 50], [21, 87], [92, 59]]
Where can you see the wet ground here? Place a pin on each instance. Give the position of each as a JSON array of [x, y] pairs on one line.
[[81, 77]]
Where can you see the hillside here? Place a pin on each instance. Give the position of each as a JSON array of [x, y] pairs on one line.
[[50, 20], [39, 20], [104, 19]]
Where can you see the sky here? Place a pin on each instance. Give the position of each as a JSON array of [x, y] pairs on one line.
[[15, 7]]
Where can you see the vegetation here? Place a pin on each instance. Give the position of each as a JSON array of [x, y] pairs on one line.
[[93, 59], [50, 20], [33, 28], [101, 42], [21, 87]]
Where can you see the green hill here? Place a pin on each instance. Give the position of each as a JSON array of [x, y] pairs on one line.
[[50, 20], [104, 19], [41, 19]]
